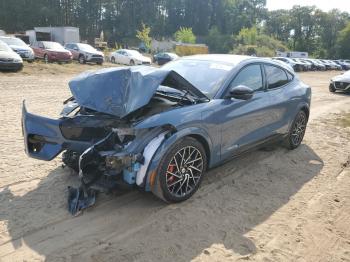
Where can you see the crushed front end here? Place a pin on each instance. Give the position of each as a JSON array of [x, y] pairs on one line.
[[107, 152], [97, 131]]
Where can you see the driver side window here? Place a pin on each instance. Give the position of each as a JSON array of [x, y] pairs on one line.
[[249, 76]]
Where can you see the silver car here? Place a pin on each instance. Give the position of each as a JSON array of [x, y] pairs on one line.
[[19, 47], [9, 60]]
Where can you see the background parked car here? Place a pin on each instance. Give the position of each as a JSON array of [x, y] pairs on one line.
[[340, 83], [316, 64], [9, 60], [85, 53], [19, 47], [344, 65], [295, 65], [129, 57], [163, 58], [51, 51], [304, 65]]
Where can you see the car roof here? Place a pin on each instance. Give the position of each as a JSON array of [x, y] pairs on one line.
[[229, 59]]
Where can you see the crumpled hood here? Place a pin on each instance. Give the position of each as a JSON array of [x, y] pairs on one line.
[[342, 78], [122, 90]]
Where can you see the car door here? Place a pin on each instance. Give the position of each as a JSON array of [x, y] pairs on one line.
[[244, 123], [74, 49], [283, 103], [36, 49], [41, 50], [126, 57]]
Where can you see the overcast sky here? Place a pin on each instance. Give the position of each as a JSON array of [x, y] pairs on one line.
[[325, 5]]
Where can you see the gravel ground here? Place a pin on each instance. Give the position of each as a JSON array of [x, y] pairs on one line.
[[272, 205]]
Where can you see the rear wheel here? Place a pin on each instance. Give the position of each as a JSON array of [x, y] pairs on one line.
[[297, 131], [181, 170], [132, 62]]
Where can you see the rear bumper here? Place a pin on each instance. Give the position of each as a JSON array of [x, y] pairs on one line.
[[43, 138]]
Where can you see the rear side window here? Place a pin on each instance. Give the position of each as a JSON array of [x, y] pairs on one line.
[[275, 77], [249, 76]]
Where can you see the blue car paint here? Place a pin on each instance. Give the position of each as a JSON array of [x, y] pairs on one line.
[[115, 91], [236, 123], [225, 124]]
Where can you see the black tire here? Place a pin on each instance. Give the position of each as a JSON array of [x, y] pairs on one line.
[[331, 88], [179, 181], [81, 59], [132, 62], [99, 63], [46, 58], [113, 60], [297, 131]]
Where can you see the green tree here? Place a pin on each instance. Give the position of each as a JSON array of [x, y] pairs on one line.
[[343, 43], [143, 35], [185, 35]]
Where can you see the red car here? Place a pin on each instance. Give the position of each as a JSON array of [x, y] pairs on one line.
[[51, 51]]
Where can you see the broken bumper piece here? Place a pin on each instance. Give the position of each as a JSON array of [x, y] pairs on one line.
[[80, 199]]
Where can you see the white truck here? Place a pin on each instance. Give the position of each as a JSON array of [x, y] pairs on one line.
[[62, 35]]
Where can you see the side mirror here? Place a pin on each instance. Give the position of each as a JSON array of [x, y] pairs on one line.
[[241, 92]]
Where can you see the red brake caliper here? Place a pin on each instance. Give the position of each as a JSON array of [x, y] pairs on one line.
[[171, 170]]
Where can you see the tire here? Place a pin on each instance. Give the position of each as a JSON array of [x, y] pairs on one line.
[[132, 62], [113, 60], [82, 59], [99, 63], [181, 170], [297, 131], [46, 58], [331, 88]]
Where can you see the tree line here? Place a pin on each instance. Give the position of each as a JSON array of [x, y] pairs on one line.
[[215, 22]]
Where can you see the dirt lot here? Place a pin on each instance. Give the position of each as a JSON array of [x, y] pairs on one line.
[[274, 205]]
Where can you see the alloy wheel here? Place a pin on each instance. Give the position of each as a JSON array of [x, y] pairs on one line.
[[298, 130], [184, 171]]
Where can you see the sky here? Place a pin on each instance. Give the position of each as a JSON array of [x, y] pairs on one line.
[[325, 5]]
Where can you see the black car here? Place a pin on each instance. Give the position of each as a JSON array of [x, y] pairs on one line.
[[163, 58]]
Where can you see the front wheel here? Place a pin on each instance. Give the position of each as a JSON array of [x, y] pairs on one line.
[[132, 62], [331, 88], [46, 58], [181, 170], [297, 131], [82, 59], [112, 60]]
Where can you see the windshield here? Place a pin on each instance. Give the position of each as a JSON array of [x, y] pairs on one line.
[[133, 53], [4, 47], [206, 76], [13, 41], [53, 45], [86, 48]]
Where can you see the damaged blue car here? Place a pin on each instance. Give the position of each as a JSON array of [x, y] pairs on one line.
[[161, 128]]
